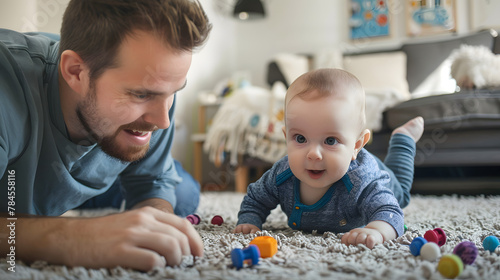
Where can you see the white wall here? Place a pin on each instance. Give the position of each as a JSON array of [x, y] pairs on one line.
[[290, 26], [215, 61], [32, 15], [14, 14]]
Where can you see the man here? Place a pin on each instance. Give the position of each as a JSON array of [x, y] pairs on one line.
[[90, 111]]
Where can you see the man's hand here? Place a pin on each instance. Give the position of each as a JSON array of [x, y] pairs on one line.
[[157, 203], [376, 232], [139, 239], [246, 228]]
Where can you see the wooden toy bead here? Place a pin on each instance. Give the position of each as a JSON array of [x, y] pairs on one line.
[[217, 220], [436, 235], [268, 246], [416, 245], [240, 256], [193, 219], [450, 266], [430, 251], [467, 251], [490, 243]]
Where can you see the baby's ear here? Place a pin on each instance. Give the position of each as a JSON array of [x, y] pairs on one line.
[[363, 138], [284, 131]]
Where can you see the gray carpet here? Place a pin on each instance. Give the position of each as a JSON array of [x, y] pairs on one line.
[[308, 256]]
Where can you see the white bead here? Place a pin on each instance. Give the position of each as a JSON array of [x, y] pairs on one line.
[[430, 251]]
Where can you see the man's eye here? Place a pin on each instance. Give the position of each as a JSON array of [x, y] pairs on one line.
[[331, 141], [141, 96], [300, 139]]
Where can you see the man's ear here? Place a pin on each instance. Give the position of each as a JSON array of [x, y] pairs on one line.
[[361, 142], [74, 71]]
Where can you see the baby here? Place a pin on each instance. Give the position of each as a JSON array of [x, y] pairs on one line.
[[328, 181]]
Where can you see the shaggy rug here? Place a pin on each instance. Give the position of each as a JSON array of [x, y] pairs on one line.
[[310, 256]]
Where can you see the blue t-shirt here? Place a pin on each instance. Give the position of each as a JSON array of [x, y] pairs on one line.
[[360, 197], [51, 173]]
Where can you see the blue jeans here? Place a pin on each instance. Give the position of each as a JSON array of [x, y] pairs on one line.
[[187, 193]]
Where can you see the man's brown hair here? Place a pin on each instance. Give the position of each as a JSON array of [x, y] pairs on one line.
[[95, 29]]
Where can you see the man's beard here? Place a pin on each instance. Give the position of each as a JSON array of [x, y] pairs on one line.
[[88, 116]]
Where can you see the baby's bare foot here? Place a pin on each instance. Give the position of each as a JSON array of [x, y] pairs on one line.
[[413, 128]]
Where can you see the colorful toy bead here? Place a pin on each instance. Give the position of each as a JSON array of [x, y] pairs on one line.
[[467, 251], [490, 243], [436, 235], [268, 246], [405, 228], [194, 219], [450, 266], [240, 256], [430, 251], [217, 220], [416, 245]]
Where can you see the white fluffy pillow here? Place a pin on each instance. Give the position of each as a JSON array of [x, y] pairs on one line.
[[381, 71]]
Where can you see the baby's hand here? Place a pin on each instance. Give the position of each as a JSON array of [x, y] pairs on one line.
[[369, 237], [246, 228]]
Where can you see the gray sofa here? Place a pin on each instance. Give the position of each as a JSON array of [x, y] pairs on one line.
[[460, 149]]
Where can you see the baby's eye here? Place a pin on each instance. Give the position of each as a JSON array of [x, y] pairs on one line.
[[331, 141], [300, 138]]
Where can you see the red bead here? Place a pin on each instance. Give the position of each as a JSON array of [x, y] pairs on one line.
[[217, 220], [436, 235]]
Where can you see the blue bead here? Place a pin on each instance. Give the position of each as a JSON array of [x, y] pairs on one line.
[[490, 243], [238, 256], [416, 245]]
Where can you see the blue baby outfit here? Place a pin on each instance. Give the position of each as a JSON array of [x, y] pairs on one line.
[[360, 197]]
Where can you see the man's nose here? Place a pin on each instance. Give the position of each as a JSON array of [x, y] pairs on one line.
[[158, 114]]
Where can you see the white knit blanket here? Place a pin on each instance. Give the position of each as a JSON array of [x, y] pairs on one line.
[[249, 122]]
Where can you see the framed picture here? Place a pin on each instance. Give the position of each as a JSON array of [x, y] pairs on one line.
[[369, 18], [426, 17]]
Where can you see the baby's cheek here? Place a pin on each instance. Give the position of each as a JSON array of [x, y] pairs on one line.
[[295, 161]]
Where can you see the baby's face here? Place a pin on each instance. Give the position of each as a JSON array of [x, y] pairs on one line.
[[321, 134]]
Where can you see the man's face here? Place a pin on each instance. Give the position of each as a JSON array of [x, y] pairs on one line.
[[126, 104]]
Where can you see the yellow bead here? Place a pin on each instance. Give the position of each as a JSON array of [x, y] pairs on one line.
[[450, 266]]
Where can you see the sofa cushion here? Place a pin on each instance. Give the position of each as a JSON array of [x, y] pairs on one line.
[[380, 71], [464, 110]]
